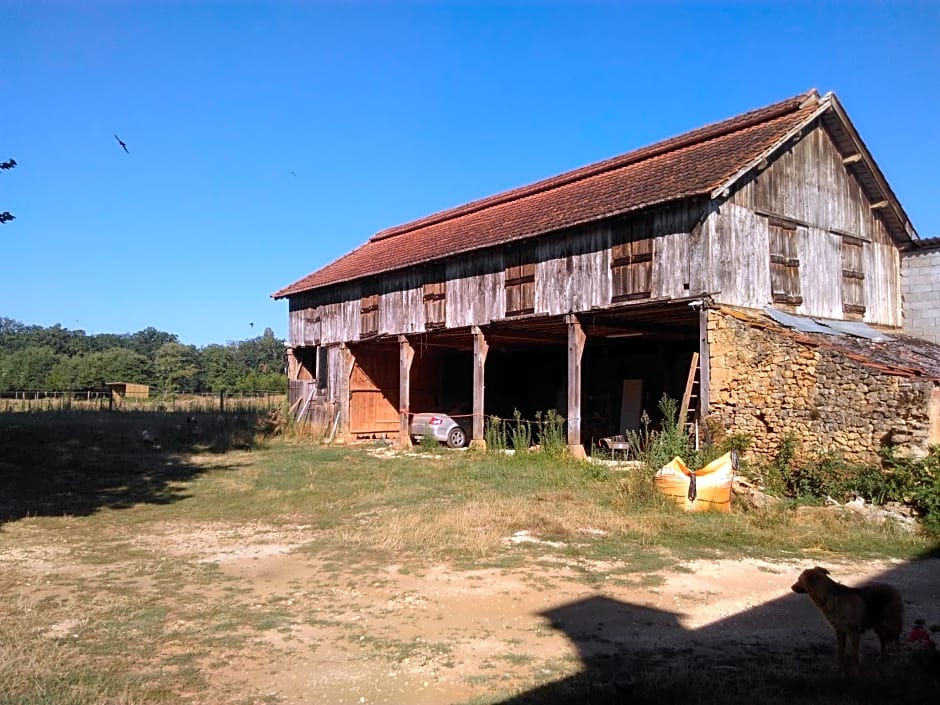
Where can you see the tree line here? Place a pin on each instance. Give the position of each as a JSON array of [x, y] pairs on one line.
[[54, 359]]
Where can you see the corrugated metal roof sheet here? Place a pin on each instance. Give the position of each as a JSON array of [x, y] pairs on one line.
[[856, 328], [826, 326], [800, 323]]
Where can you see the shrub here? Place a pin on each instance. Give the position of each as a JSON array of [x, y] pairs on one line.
[[916, 481], [911, 481], [776, 475]]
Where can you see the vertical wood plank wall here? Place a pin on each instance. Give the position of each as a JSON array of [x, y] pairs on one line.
[[809, 184]]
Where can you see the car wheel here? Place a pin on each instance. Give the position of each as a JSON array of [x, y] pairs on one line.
[[457, 438]]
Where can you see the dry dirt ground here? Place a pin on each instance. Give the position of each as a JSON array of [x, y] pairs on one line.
[[443, 635]]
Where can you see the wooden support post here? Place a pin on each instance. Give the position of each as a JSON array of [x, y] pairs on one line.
[[933, 416], [480, 348], [406, 354], [704, 362], [344, 394], [576, 340]]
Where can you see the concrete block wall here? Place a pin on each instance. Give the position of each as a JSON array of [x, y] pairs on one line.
[[920, 291]]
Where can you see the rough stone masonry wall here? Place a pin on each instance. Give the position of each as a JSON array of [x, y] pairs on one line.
[[767, 384], [920, 293]]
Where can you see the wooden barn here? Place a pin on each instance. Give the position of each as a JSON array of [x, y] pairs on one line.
[[594, 292]]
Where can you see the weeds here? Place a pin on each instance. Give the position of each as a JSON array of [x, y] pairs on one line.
[[547, 431], [521, 433], [551, 433], [656, 447], [496, 435]]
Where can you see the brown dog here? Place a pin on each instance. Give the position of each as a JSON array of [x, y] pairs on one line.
[[851, 611]]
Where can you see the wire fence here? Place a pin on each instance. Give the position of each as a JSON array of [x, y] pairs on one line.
[[104, 400]]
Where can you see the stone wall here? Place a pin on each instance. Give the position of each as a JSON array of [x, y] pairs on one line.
[[766, 383], [920, 291]]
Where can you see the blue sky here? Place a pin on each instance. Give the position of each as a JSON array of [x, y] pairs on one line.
[[384, 112]]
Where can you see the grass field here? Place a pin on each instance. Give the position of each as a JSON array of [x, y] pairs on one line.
[[101, 515]]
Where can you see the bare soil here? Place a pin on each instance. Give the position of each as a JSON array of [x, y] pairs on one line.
[[440, 634]]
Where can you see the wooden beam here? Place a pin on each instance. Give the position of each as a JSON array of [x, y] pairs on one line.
[[576, 340], [480, 349], [704, 374], [344, 394], [406, 354], [851, 159], [879, 205]]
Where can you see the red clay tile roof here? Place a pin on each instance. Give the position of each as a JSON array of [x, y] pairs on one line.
[[691, 164]]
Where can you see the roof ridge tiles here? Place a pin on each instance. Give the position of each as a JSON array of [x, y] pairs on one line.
[[698, 135]]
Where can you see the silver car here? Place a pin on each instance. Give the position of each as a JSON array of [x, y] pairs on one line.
[[441, 427]]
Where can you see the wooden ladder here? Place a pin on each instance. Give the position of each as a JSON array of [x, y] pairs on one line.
[[691, 394]]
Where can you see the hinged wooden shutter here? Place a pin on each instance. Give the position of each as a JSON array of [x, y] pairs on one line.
[[631, 261], [520, 289], [434, 305], [311, 327], [784, 263], [369, 316], [853, 275]]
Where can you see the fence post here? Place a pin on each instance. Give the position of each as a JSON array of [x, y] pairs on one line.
[[222, 402]]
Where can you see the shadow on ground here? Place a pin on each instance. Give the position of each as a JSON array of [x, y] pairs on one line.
[[625, 658], [75, 463]]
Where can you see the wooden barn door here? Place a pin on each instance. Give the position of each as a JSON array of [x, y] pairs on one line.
[[373, 392]]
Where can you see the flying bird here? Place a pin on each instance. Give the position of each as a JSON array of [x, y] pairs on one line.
[[292, 173], [121, 142]]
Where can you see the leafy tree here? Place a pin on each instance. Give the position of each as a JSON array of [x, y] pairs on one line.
[[177, 367], [149, 340], [6, 216], [118, 365], [262, 354], [27, 369], [68, 373], [221, 367], [76, 360], [272, 382]]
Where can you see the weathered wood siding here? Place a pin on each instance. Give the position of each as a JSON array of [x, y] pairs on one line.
[[732, 257], [323, 318], [572, 271], [809, 184], [883, 284], [671, 249], [401, 309], [475, 294], [820, 254]]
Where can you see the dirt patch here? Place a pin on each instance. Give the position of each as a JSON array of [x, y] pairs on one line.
[[436, 634], [441, 635]]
